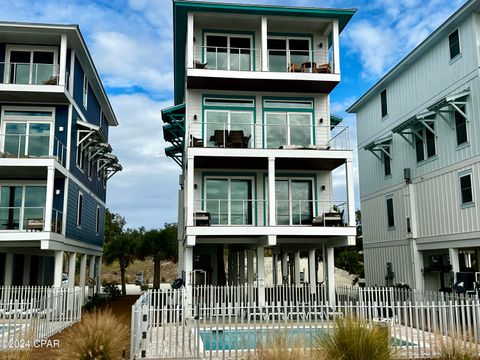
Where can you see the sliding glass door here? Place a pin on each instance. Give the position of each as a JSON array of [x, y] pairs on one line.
[[21, 204], [288, 128], [220, 124], [228, 52], [294, 202], [27, 139], [289, 54], [229, 201]]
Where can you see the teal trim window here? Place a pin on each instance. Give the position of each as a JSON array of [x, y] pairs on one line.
[[466, 189], [288, 122], [289, 52], [229, 200], [228, 51], [20, 204], [454, 44], [224, 115]]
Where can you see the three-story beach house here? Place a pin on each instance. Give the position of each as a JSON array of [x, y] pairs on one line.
[[54, 155], [252, 131], [419, 160]]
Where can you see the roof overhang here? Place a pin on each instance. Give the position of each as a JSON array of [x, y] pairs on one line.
[[182, 8]]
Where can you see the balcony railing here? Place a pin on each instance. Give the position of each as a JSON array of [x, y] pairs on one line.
[[250, 59], [29, 219], [268, 136], [242, 212], [29, 73], [31, 146]]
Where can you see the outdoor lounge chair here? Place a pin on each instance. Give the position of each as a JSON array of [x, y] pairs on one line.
[[220, 138], [236, 138]]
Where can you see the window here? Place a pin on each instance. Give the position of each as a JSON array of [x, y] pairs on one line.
[[466, 189], [22, 206], [454, 44], [229, 200], [79, 209], [97, 221], [81, 152], [288, 122], [461, 126], [34, 66], [291, 54], [387, 167], [294, 199], [390, 214], [85, 91], [228, 52], [425, 144], [90, 168], [383, 100]]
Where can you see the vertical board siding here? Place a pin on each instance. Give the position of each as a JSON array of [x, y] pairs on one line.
[[87, 232], [376, 265]]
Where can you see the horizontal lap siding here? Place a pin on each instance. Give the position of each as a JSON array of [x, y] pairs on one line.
[[87, 232]]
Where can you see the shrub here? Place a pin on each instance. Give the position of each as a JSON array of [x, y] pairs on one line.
[[354, 339], [111, 288], [453, 348], [94, 302], [280, 347], [100, 335]]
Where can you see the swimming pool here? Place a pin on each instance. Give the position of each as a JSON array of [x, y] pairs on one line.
[[248, 339]]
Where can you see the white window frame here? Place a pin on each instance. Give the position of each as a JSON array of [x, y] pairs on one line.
[[24, 184], [288, 114], [79, 219], [229, 209], [31, 49], [287, 48], [452, 59], [97, 220], [228, 36], [85, 91], [423, 131], [462, 174], [80, 155], [228, 123], [5, 119]]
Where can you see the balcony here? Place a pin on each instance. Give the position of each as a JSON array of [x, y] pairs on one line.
[[28, 219], [29, 73], [32, 146], [296, 133]]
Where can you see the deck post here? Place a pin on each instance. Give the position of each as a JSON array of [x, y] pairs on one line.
[[284, 268], [350, 192], [274, 269], [264, 38], [49, 199], [72, 260], [27, 259], [296, 264], [453, 254], [98, 273], [312, 273], [188, 266], [8, 277], [58, 268], [241, 267], [261, 276], [331, 275], [83, 270], [91, 275], [235, 268], [272, 209]]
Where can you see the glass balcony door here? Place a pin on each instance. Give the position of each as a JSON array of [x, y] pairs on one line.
[[288, 54], [228, 52], [22, 207], [229, 201], [25, 138], [287, 128], [31, 66], [220, 123], [294, 202]]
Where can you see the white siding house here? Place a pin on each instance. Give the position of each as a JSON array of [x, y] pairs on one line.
[[418, 145]]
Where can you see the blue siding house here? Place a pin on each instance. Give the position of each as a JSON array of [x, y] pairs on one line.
[[55, 158]]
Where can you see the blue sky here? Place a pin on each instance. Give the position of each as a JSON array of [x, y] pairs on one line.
[[131, 44]]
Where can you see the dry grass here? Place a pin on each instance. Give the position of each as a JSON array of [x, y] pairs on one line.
[[111, 273], [453, 348], [100, 336], [354, 339], [281, 347]]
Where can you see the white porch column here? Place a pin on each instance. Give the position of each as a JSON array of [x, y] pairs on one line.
[[188, 269], [336, 47], [91, 273], [453, 255], [250, 267], [98, 273], [284, 268], [272, 218], [41, 271], [241, 267], [350, 192], [274, 269], [58, 268], [235, 268], [63, 60], [331, 276], [83, 270], [190, 47], [417, 266], [264, 37], [26, 269], [49, 198], [312, 273], [72, 260], [296, 264], [190, 190], [230, 267], [8, 278], [261, 276]]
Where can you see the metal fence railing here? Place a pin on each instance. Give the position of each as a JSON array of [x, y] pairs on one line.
[[230, 322], [29, 314]]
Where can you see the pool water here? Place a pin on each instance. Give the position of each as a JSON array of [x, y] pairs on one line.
[[248, 339]]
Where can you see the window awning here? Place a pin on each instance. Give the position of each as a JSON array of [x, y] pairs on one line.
[[422, 119], [174, 131], [377, 147], [451, 103]]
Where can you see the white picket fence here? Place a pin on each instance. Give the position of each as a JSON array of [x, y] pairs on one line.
[[228, 322], [29, 314]]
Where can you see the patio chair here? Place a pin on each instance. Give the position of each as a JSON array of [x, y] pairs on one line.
[[236, 138], [220, 138], [294, 68], [322, 69], [246, 140]]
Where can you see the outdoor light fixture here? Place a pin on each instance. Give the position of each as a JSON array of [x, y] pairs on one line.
[[320, 121], [57, 192], [323, 187], [320, 45], [195, 117]]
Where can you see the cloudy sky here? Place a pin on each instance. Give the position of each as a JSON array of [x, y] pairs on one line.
[[131, 44]]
